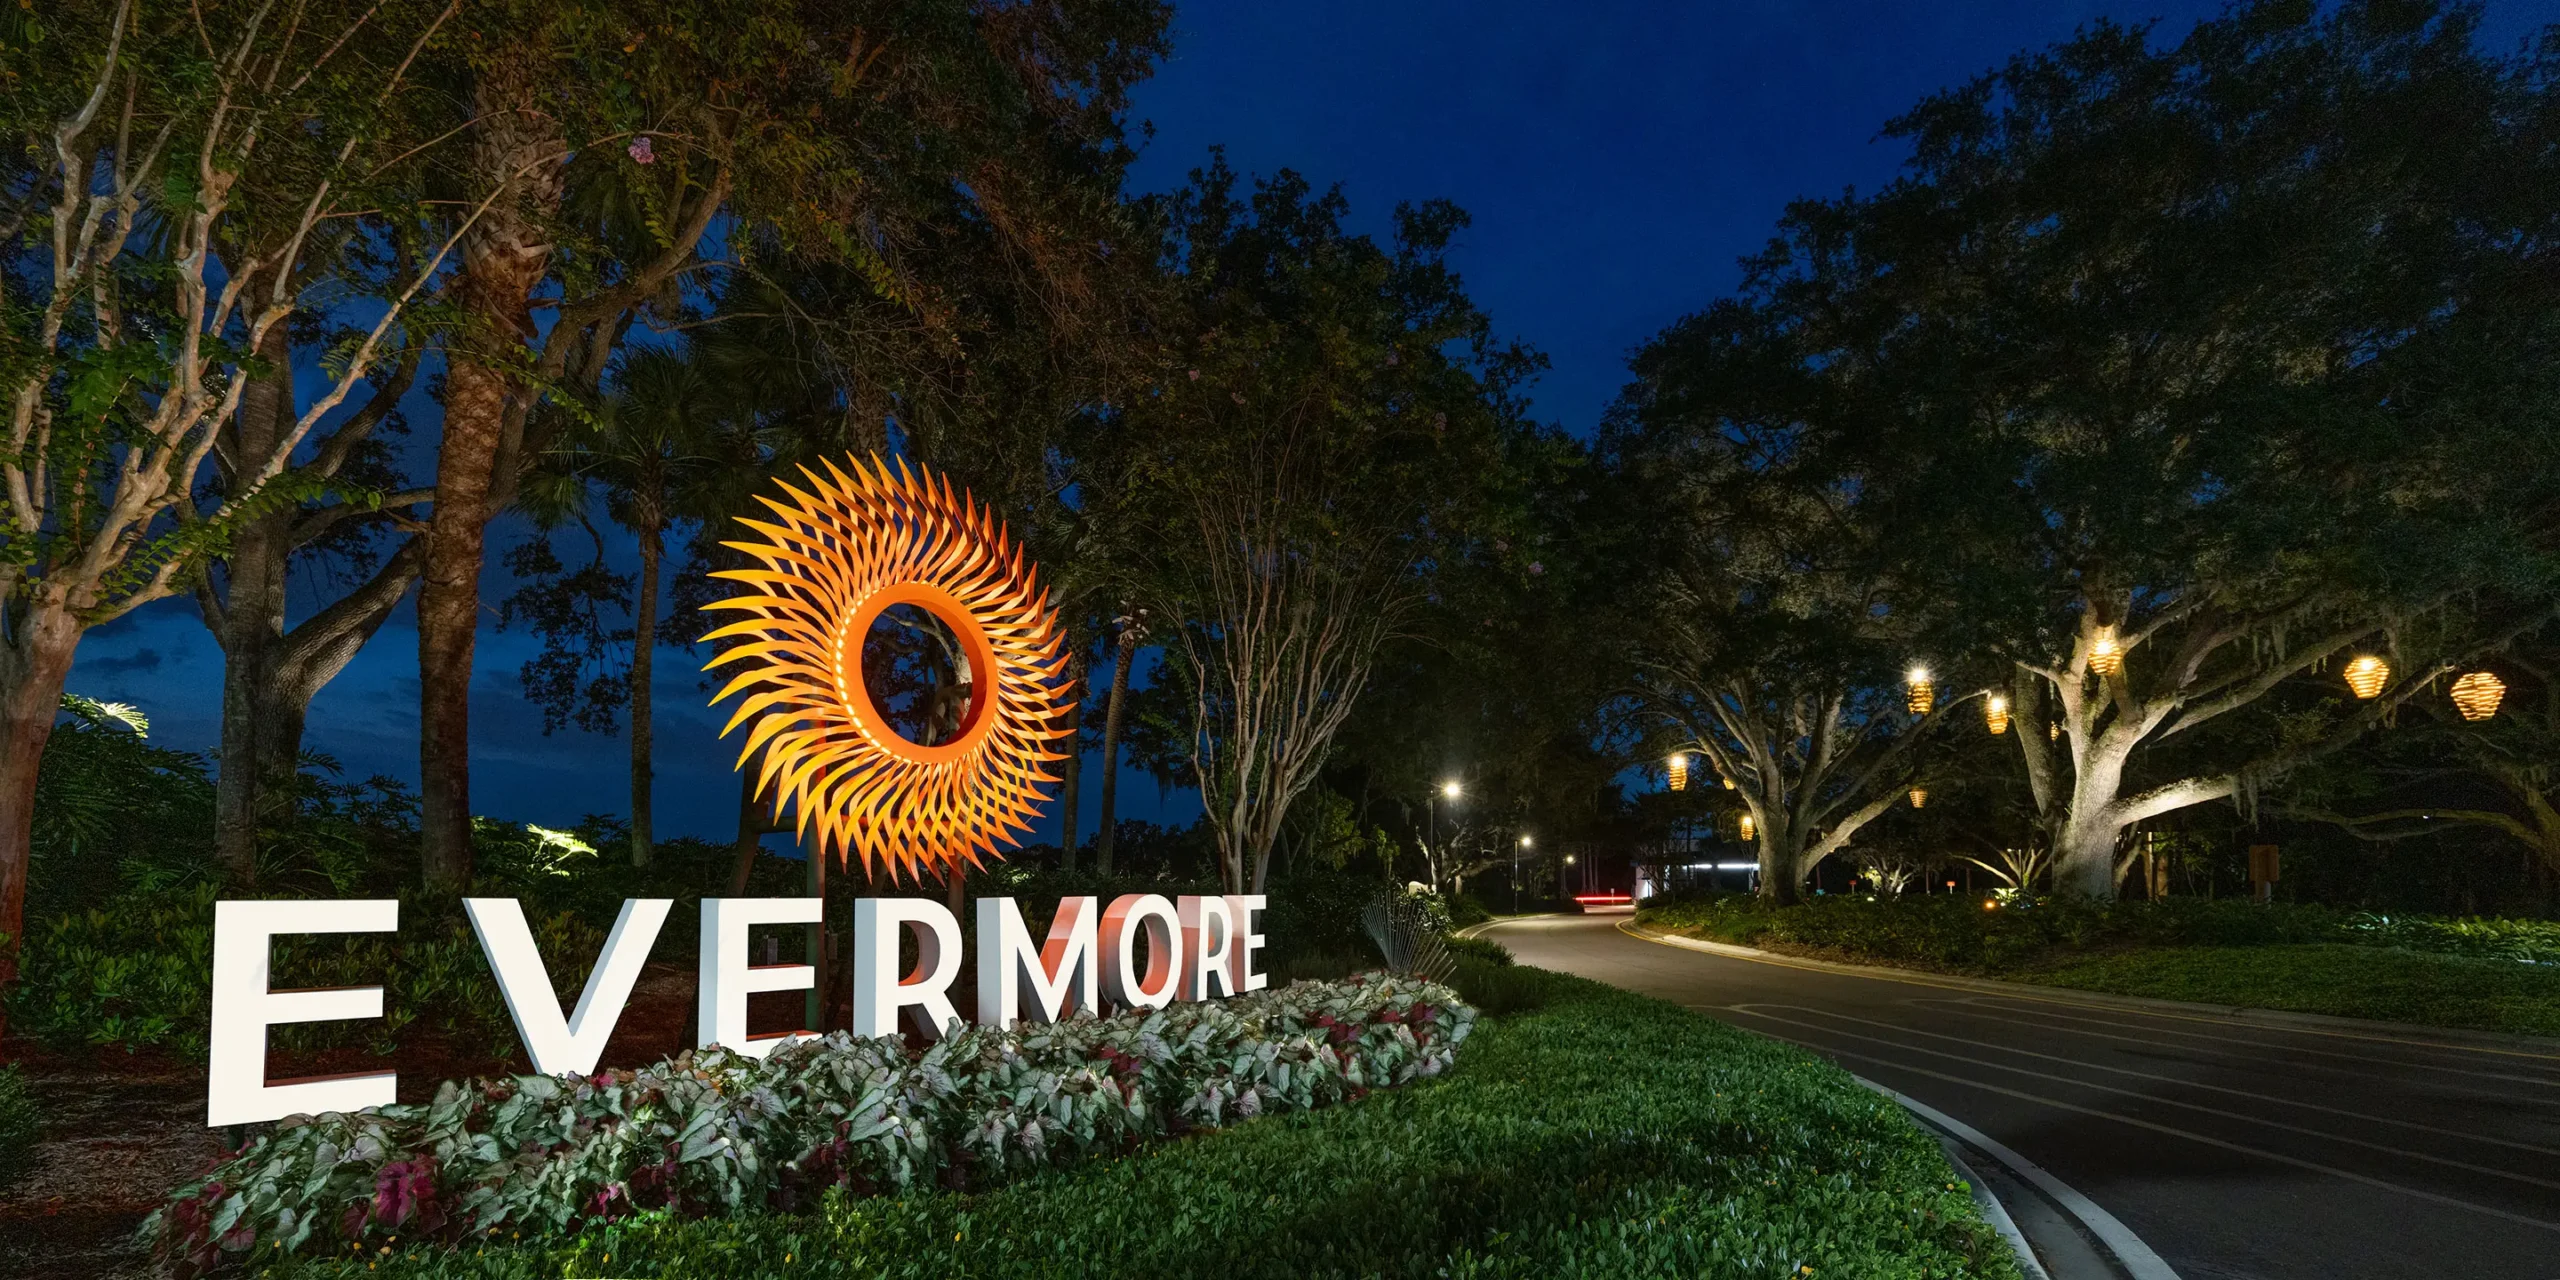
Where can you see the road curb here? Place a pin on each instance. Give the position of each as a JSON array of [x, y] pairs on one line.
[[2410, 1033]]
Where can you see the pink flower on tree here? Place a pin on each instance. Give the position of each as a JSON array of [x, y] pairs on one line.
[[641, 152]]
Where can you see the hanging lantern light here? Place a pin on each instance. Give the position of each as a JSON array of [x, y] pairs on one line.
[[1679, 770], [1746, 828], [1919, 797], [2366, 676], [1729, 785], [1995, 715], [2106, 656], [2053, 731], [2478, 694], [1922, 691]]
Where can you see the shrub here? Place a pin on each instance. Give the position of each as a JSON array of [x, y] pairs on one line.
[[137, 972], [19, 1125], [1950, 932], [713, 1131], [1499, 989], [1481, 949]]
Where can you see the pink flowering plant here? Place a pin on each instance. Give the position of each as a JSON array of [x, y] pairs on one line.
[[714, 1132]]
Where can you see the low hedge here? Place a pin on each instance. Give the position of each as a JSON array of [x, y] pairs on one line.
[[1960, 933], [714, 1132], [1606, 1134]]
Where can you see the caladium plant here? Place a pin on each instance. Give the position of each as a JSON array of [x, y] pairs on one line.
[[715, 1132]]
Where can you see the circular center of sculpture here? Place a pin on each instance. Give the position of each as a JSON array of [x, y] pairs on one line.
[[918, 674]]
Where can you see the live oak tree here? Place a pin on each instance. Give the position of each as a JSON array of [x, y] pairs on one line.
[[2192, 369], [179, 172], [1769, 643]]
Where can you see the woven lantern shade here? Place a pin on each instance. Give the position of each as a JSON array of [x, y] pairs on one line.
[[1921, 692], [2053, 731], [2366, 676], [1995, 715], [2478, 694], [1680, 771], [2106, 655], [1919, 797], [1746, 828]]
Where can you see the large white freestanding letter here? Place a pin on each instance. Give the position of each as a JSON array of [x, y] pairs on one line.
[[720, 1002], [1208, 947], [1249, 940], [878, 992], [571, 1045], [236, 1088], [1121, 983], [1053, 980]]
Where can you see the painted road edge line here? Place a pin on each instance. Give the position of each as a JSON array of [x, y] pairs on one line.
[[2137, 1258]]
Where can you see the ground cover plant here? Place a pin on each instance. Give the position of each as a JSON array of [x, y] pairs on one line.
[[715, 1132], [19, 1126], [2501, 975], [1604, 1134]]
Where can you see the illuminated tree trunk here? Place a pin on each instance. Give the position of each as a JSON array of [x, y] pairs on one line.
[[35, 659], [504, 258]]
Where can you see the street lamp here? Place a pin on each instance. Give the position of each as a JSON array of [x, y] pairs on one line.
[[1449, 790], [1525, 842]]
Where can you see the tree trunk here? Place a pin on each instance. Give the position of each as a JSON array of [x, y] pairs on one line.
[[505, 256], [249, 623], [2085, 831], [644, 640], [1071, 769], [34, 662], [1124, 656]]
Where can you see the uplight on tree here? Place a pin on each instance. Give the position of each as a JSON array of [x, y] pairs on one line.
[[2478, 694], [2366, 676]]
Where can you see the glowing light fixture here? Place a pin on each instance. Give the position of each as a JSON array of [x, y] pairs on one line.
[[2053, 731], [2478, 694], [1729, 785], [1679, 770], [2366, 676], [1921, 692], [1919, 797], [1746, 828], [1995, 715], [1451, 790], [2106, 653]]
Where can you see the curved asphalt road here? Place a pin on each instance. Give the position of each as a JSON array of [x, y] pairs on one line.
[[2237, 1149]]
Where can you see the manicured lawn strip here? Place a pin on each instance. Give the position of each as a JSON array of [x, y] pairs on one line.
[[2305, 959], [2344, 981], [1604, 1134]]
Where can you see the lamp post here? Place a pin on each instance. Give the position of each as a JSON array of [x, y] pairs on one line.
[[1449, 790], [1525, 842]]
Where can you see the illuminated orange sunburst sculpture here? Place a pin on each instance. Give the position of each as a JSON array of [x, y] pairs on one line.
[[838, 555]]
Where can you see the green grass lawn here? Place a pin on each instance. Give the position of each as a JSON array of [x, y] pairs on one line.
[[2347, 981], [1596, 1134]]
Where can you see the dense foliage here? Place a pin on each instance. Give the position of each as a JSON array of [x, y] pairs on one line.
[[1954, 931], [1605, 1134], [713, 1132]]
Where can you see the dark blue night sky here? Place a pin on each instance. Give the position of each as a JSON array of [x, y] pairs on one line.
[[1617, 158]]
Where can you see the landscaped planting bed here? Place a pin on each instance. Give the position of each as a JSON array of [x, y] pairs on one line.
[[1596, 1133], [2496, 975], [714, 1132]]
